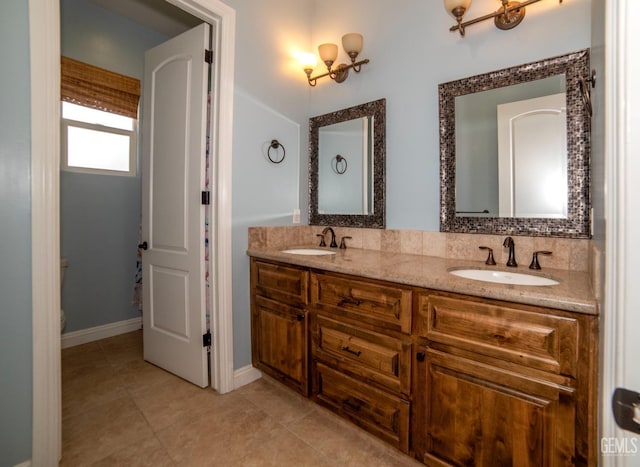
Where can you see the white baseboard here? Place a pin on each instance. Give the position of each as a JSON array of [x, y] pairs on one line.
[[24, 464], [245, 375], [71, 339]]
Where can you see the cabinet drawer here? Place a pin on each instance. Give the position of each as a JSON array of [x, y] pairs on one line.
[[384, 305], [532, 336], [374, 410], [284, 283], [375, 357]]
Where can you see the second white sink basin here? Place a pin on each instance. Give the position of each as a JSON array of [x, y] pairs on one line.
[[503, 277], [309, 252]]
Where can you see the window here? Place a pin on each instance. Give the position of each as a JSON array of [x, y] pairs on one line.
[[99, 126], [94, 141]]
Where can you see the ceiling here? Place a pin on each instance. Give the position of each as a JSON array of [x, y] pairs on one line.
[[158, 15]]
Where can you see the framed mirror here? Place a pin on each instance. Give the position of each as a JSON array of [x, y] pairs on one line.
[[515, 150], [347, 152]]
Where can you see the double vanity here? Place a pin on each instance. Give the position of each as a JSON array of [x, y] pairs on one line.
[[449, 369], [449, 358]]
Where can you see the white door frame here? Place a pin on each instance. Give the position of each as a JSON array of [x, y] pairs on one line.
[[44, 38], [621, 314]]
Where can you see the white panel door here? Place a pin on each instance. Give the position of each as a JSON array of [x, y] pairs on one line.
[[532, 157], [173, 165]]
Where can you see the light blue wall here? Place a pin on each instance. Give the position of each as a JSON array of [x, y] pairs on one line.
[[15, 235], [411, 52], [271, 100], [100, 214]]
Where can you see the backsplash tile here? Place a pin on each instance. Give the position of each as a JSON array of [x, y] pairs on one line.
[[567, 254]]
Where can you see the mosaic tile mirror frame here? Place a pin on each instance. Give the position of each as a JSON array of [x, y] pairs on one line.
[[575, 68]]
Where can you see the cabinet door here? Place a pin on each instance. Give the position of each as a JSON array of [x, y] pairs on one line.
[[279, 347], [472, 414]]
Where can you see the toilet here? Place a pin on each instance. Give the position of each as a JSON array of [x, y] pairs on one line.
[[64, 264]]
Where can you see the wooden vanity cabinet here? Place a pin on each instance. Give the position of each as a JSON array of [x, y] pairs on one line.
[[279, 323], [449, 378], [361, 353], [502, 384]]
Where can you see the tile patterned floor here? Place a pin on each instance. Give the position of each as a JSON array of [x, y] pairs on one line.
[[121, 411]]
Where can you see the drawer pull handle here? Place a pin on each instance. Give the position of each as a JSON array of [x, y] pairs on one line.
[[352, 405], [353, 352], [420, 356], [349, 301]]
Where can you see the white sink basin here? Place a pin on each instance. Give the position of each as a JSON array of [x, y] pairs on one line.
[[503, 277], [309, 252]]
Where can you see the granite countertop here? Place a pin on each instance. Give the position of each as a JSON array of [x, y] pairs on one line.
[[573, 293]]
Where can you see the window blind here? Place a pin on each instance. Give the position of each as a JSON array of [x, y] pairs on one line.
[[98, 88]]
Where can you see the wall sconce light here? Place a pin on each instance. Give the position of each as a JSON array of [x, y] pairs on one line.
[[352, 44], [508, 16]]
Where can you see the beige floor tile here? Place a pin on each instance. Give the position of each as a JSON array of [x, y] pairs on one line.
[[218, 439], [95, 387], [98, 433], [140, 377], [121, 411], [146, 453], [74, 361], [171, 402], [278, 401], [123, 348], [345, 444], [283, 449]]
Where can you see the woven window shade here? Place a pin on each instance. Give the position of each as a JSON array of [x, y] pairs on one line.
[[98, 88]]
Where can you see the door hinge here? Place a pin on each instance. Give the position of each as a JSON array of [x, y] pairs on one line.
[[206, 198], [206, 339], [208, 56]]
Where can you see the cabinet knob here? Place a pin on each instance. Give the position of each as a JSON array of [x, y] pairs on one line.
[[420, 356], [300, 317]]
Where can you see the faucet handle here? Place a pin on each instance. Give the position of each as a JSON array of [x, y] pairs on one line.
[[343, 245], [322, 242], [534, 261], [490, 261]]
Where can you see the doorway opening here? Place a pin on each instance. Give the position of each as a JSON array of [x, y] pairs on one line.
[[44, 17]]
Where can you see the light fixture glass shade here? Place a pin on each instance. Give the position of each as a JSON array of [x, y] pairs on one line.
[[451, 5], [328, 52], [352, 42], [308, 60]]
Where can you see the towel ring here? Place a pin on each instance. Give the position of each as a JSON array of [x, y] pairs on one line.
[[275, 144], [341, 165]]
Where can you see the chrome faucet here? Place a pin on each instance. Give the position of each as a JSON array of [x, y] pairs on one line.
[[333, 243], [508, 243]]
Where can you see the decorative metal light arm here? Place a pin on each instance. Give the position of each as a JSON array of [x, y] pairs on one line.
[[338, 74], [508, 16]]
